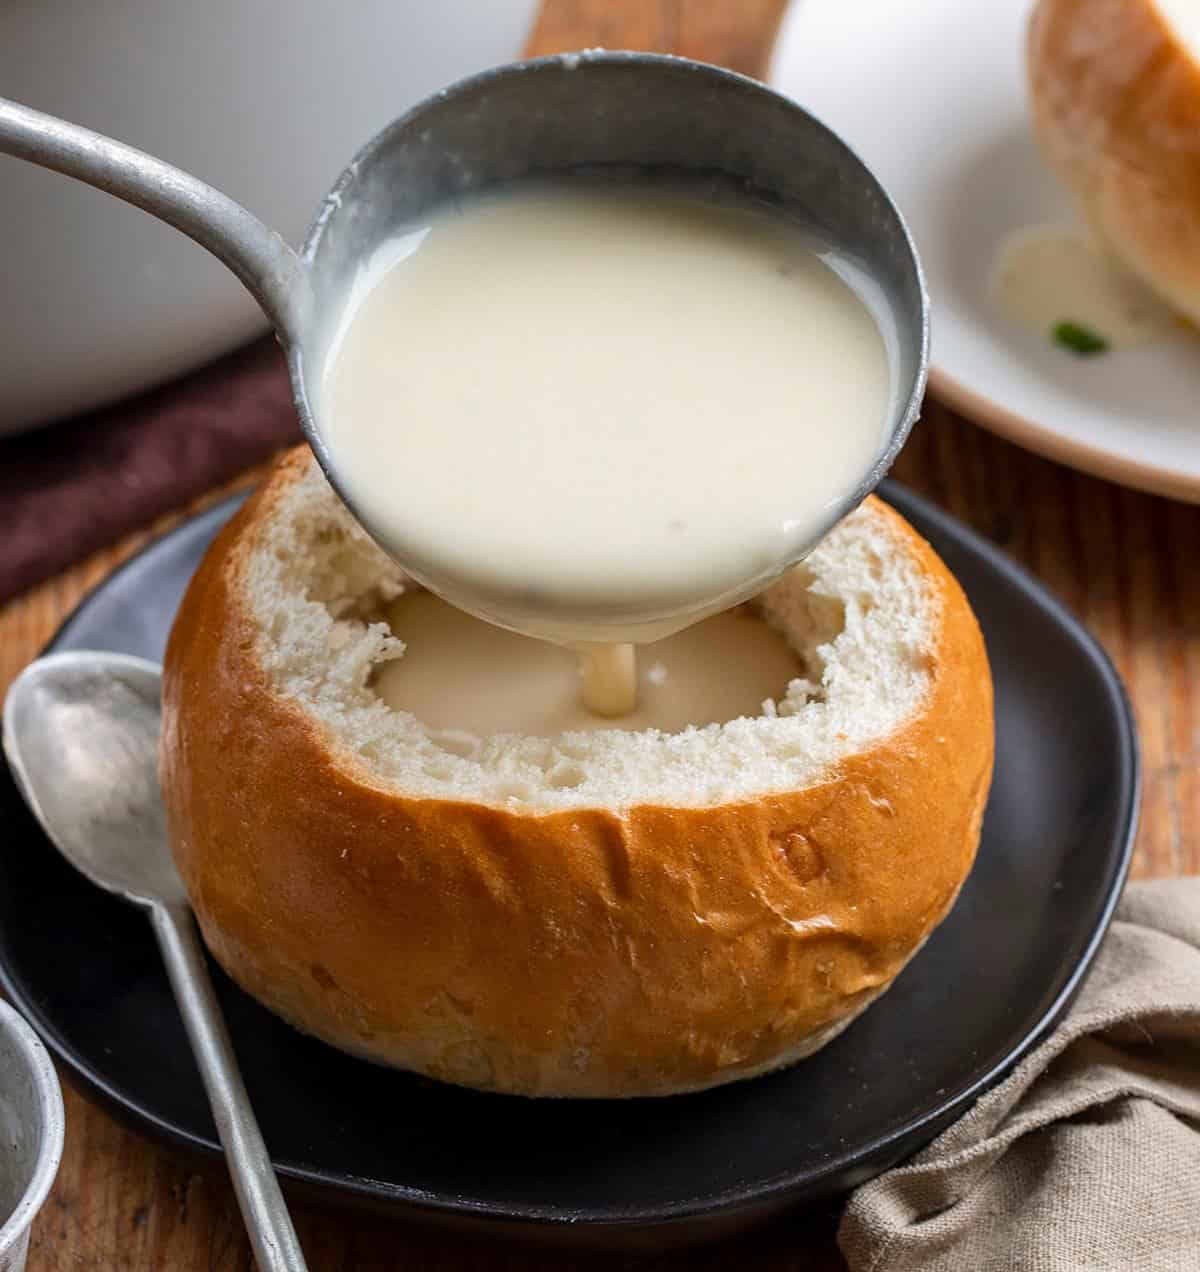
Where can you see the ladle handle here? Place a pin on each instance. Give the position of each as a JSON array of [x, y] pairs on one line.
[[265, 264], [276, 1247]]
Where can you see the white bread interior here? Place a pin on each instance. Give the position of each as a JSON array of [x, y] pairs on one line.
[[859, 614]]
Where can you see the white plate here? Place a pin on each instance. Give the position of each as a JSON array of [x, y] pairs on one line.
[[931, 94]]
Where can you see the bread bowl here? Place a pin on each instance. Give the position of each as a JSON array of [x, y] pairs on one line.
[[1115, 93], [597, 915]]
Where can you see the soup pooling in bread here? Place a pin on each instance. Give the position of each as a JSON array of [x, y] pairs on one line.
[[594, 412], [462, 674]]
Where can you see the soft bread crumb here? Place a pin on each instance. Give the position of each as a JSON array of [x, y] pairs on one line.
[[858, 613]]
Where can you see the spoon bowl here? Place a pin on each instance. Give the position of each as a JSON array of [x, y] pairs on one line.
[[81, 737]]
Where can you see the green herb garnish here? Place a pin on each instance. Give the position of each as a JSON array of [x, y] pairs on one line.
[[1078, 338]]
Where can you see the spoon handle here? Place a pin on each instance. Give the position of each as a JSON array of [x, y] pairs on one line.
[[268, 267], [276, 1247]]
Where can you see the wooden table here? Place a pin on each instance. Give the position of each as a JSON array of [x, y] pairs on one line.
[[1129, 564]]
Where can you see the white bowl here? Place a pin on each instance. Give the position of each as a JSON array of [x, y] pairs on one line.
[[266, 101], [31, 1134]]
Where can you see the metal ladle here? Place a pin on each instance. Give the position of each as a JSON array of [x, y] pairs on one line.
[[81, 736], [619, 111]]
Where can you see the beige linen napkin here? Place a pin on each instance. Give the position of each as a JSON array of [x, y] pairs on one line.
[[1087, 1158]]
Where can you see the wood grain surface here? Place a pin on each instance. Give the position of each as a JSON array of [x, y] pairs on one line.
[[1127, 563]]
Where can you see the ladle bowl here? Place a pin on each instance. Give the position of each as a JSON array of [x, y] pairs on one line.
[[622, 112]]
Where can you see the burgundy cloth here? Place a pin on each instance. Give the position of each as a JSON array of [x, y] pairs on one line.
[[72, 488]]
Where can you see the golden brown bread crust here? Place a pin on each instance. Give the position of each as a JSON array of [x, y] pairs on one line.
[[578, 953], [1116, 107]]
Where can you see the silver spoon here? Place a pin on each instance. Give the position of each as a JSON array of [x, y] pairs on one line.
[[81, 736], [625, 112]]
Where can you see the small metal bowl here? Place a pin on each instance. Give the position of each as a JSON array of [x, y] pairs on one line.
[[31, 1134]]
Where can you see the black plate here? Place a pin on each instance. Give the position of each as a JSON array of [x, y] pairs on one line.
[[991, 981]]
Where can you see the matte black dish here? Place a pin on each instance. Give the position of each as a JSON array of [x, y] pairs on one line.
[[991, 981]]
